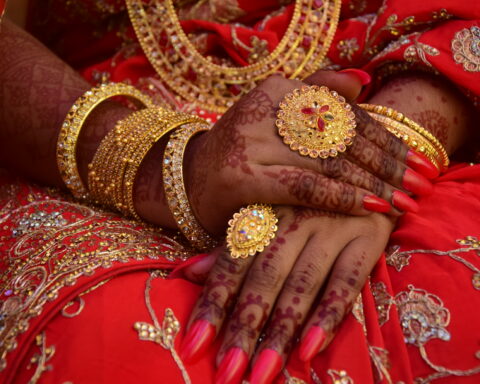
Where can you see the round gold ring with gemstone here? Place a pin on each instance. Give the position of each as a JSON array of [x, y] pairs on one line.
[[251, 230], [316, 122]]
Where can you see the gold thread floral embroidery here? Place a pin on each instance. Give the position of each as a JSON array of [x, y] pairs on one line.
[[357, 312], [423, 317], [42, 358], [163, 335], [66, 310], [397, 259], [466, 48], [348, 48], [419, 51], [383, 301], [340, 377], [42, 259], [380, 360]]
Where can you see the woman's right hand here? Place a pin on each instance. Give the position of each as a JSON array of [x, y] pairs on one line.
[[243, 160]]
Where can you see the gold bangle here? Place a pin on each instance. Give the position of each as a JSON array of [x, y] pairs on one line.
[[174, 187], [115, 165], [70, 131], [414, 135]]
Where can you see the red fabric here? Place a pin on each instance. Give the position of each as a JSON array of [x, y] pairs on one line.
[[100, 344]]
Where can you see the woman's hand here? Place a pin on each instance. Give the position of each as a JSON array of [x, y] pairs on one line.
[[243, 160], [276, 293]]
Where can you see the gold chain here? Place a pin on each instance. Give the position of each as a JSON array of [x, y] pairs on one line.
[[198, 80]]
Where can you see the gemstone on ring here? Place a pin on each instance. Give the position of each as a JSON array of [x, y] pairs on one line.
[[251, 230], [316, 122]]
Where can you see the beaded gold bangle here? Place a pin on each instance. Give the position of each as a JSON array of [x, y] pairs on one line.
[[414, 135], [115, 165], [70, 131], [174, 187]]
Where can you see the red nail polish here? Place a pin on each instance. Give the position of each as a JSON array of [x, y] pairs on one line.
[[197, 340], [266, 368], [421, 164], [403, 202], [362, 76], [311, 343], [232, 367], [376, 204], [416, 183]]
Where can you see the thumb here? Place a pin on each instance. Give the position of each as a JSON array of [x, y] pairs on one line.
[[195, 269], [348, 82]]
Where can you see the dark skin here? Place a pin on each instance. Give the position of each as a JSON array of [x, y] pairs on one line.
[[37, 89]]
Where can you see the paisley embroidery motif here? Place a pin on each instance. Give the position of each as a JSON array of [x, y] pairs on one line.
[[466, 48]]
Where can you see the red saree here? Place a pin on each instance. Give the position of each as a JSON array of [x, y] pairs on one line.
[[85, 295]]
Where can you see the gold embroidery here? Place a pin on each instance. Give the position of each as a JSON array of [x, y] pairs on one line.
[[340, 377], [42, 358], [213, 86], [81, 302], [419, 51], [162, 335], [423, 317], [357, 312], [466, 48], [348, 48], [397, 259], [383, 301], [291, 379], [379, 357], [45, 255], [258, 50]]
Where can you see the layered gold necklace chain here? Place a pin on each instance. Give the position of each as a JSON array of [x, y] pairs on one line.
[[198, 80]]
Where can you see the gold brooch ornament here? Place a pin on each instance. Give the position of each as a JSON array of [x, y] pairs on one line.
[[251, 230], [316, 122]]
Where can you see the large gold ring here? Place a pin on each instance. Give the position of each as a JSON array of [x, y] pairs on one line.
[[251, 230], [316, 122]]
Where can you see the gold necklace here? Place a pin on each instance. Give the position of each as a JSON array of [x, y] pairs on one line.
[[196, 79]]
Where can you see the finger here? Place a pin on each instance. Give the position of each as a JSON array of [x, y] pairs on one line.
[[294, 303], [262, 285], [347, 83], [222, 285], [348, 276], [302, 187], [195, 269]]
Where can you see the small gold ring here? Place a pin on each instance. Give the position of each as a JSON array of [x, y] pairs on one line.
[[316, 122], [251, 230]]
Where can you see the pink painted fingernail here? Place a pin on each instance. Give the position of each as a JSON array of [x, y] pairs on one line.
[[362, 76], [311, 343], [266, 368], [376, 204], [416, 183], [404, 202], [421, 164], [197, 340], [232, 367]]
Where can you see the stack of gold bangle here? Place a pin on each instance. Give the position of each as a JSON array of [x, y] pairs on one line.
[[415, 136], [115, 165]]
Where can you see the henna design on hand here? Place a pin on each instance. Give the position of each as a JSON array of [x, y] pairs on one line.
[[434, 122], [281, 328], [315, 189]]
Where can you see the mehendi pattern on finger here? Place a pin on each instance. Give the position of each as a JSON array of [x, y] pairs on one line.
[[312, 188], [281, 329]]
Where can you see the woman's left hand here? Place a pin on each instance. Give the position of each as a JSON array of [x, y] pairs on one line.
[[270, 295]]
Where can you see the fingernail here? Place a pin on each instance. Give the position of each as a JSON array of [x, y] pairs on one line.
[[197, 340], [404, 202], [416, 183], [362, 76], [421, 164], [232, 367], [268, 365], [376, 204], [311, 343]]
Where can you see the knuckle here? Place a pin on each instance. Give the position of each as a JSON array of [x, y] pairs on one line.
[[265, 279], [306, 281], [344, 279], [227, 265]]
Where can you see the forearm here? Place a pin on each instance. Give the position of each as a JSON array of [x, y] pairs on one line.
[[433, 103], [37, 90]]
